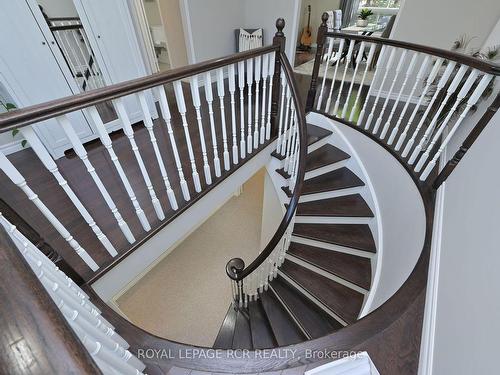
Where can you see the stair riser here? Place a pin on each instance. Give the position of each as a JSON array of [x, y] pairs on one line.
[[327, 246], [333, 220], [327, 168], [331, 194], [326, 274], [313, 299]]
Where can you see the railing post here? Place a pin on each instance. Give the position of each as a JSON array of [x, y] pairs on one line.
[[278, 40], [469, 141], [311, 95]]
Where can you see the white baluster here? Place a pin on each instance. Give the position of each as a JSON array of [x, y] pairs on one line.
[[241, 86], [347, 60], [359, 58], [148, 122], [369, 59], [82, 154], [291, 133], [258, 61], [195, 94], [282, 108], [51, 166], [471, 79], [388, 66], [430, 128], [249, 85], [210, 98], [442, 81], [428, 83], [287, 117], [160, 91], [336, 60], [220, 92], [325, 74], [16, 177], [372, 86], [232, 89], [418, 81], [478, 91], [270, 73], [181, 105], [265, 72], [408, 73], [129, 132], [106, 141], [389, 94]]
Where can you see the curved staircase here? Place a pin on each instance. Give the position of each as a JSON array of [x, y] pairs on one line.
[[322, 284]]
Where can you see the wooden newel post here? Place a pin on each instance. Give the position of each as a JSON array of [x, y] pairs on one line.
[[320, 41], [278, 40]]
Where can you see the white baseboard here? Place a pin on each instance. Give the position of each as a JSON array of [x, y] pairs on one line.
[[11, 147], [429, 323]]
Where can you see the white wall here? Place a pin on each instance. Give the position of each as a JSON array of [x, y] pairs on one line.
[[58, 8], [440, 23], [272, 211], [467, 327], [209, 26]]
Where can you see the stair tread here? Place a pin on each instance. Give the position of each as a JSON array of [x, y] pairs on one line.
[[345, 206], [278, 156], [242, 338], [316, 133], [262, 334], [312, 318], [283, 173], [341, 178], [343, 301], [356, 236], [224, 339], [323, 156], [349, 267], [284, 328]]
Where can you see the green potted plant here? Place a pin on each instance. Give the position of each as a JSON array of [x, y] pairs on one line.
[[363, 17]]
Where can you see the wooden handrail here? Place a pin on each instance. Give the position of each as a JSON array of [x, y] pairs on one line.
[[44, 111], [483, 65], [36, 338], [235, 268]]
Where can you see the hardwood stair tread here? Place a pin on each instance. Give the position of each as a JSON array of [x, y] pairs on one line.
[[224, 339], [355, 236], [343, 301], [284, 328], [316, 133], [262, 334], [337, 179], [278, 156], [323, 156], [354, 269], [242, 338], [352, 205], [312, 318]]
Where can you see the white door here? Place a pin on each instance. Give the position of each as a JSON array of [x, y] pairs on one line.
[[111, 32], [31, 73]]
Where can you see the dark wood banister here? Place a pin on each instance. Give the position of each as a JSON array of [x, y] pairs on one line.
[[483, 65], [44, 111], [235, 268]]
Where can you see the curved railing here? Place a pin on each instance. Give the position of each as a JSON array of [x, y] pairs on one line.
[[413, 98], [247, 281]]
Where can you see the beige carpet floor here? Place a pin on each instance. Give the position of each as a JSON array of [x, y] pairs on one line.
[[186, 296]]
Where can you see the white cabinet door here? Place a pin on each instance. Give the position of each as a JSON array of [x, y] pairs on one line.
[[31, 73], [111, 32]]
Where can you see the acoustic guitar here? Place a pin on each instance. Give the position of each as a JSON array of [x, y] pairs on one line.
[[306, 37]]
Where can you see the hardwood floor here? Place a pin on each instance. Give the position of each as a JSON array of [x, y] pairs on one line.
[[42, 182]]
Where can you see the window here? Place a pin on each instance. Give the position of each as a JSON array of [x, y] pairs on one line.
[[382, 10]]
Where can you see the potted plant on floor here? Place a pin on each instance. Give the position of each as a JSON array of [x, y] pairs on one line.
[[363, 17]]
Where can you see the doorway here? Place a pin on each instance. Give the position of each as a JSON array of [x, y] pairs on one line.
[[155, 33]]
